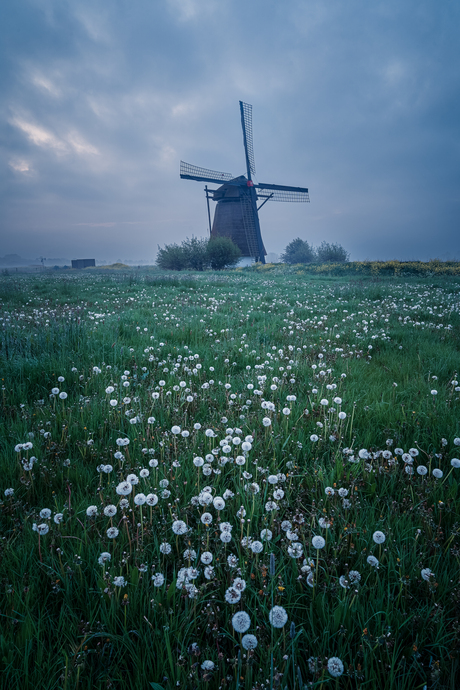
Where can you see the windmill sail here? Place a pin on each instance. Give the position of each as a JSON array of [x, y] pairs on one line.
[[246, 123], [192, 172], [277, 192]]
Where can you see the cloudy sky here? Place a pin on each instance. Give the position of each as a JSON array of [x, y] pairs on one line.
[[100, 100]]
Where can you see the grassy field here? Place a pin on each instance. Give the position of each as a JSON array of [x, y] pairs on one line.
[[229, 480]]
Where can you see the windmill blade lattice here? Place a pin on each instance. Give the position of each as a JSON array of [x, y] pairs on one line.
[[193, 172], [276, 192], [246, 123]]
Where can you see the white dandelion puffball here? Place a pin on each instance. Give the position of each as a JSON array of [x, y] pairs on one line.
[[373, 561], [206, 518], [112, 533], [437, 473], [422, 470], [249, 642], [208, 665], [175, 430], [324, 402], [434, 392], [91, 511], [151, 499], [158, 579], [206, 557], [266, 421], [256, 547], [179, 527], [241, 621], [124, 488], [140, 499], [335, 666], [63, 395], [455, 462], [119, 581], [110, 510], [218, 503], [104, 558], [43, 529], [278, 617], [318, 542], [426, 573], [314, 438], [45, 513], [342, 415], [378, 537]]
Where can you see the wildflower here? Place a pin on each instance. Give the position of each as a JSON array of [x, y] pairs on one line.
[[318, 542], [256, 547], [314, 438], [266, 535], [151, 499], [232, 596], [378, 537], [232, 561], [455, 462], [43, 528], [112, 532], [295, 550], [206, 557], [249, 641], [124, 488], [422, 470], [105, 557], [219, 503], [434, 392], [198, 462], [426, 573], [153, 462], [165, 548], [45, 513], [329, 491], [206, 518], [144, 473], [324, 402], [342, 415], [277, 617], [91, 511], [55, 391], [437, 473], [58, 518], [63, 395], [208, 665], [241, 621], [158, 579], [354, 576], [132, 479], [179, 527], [335, 666], [119, 581], [342, 493]]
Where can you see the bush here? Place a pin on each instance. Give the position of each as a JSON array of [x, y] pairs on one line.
[[197, 253], [172, 257], [222, 253], [298, 252], [331, 253]]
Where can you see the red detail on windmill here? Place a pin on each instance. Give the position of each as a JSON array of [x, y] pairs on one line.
[[250, 183]]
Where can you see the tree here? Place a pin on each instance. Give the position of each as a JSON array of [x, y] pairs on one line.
[[222, 253], [298, 252], [332, 253], [172, 257], [197, 253]]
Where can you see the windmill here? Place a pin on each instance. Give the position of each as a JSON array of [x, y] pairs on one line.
[[237, 214]]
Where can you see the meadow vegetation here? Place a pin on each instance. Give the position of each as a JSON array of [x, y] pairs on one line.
[[238, 480]]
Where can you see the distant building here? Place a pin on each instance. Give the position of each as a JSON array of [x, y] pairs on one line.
[[83, 263]]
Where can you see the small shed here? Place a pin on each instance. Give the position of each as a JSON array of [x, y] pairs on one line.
[[83, 263]]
